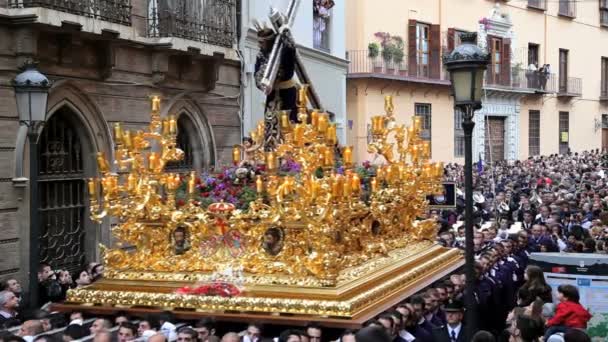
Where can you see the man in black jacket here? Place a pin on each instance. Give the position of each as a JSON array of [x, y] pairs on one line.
[[454, 330]]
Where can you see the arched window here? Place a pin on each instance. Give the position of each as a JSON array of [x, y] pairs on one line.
[[185, 141], [61, 201]]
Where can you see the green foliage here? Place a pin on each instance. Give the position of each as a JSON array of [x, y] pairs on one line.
[[373, 50]]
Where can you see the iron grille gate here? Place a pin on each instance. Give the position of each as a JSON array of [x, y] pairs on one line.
[[61, 191]]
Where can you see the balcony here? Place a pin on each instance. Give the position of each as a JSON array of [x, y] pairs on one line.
[[115, 11], [571, 87], [363, 66], [524, 81], [207, 21], [567, 8], [538, 4]]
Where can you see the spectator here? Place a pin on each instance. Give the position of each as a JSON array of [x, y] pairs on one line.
[[100, 325], [105, 337], [127, 332], [75, 332], [347, 336], [231, 337], [372, 334], [29, 329], [12, 285], [483, 336], [187, 334], [314, 331], [149, 324], [289, 336], [82, 278], [166, 326], [9, 303], [569, 313], [159, 337], [205, 328], [535, 286], [253, 332], [576, 335], [121, 318], [454, 330], [49, 289]]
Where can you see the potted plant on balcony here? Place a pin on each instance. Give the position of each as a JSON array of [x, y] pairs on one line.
[[399, 55], [388, 52], [373, 50]]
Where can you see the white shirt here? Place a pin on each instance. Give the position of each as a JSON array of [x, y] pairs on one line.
[[456, 330], [404, 334]]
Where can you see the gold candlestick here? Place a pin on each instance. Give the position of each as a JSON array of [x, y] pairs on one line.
[[374, 184], [92, 187], [102, 163], [271, 161], [155, 104], [314, 119], [323, 123], [117, 133], [332, 136], [172, 125], [259, 185], [236, 154], [347, 155]]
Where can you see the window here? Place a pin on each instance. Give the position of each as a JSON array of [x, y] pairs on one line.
[[533, 54], [564, 132], [563, 71], [540, 4], [424, 110], [604, 121], [496, 67], [458, 134], [604, 77], [567, 8], [604, 12], [534, 133], [422, 49], [321, 24]]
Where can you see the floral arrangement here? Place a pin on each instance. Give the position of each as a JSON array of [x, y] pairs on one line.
[[236, 185], [216, 288], [485, 22]]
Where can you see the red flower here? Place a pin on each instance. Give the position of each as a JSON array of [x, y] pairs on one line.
[[180, 202], [205, 194]]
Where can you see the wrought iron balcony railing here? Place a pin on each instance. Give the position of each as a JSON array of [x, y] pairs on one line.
[[567, 8], [570, 87], [208, 21], [115, 11], [524, 80], [361, 64]]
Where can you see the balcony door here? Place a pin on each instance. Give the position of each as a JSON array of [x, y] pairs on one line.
[[423, 49], [495, 139], [496, 51], [563, 71]]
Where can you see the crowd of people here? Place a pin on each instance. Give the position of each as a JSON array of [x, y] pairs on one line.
[[545, 204], [560, 201]]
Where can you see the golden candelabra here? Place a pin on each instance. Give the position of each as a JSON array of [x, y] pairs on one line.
[[322, 228]]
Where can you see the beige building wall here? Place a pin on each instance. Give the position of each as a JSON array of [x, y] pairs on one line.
[[583, 36]]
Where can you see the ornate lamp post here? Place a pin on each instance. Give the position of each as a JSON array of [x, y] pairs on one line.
[[31, 93], [466, 65]]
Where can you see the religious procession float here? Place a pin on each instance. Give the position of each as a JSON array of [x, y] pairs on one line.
[[293, 230]]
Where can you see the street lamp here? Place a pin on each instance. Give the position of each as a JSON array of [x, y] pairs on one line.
[[31, 94], [466, 65]]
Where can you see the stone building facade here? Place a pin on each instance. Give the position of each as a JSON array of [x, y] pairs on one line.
[[545, 91], [105, 59]]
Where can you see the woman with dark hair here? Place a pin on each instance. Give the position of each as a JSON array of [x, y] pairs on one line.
[[536, 286], [290, 335]]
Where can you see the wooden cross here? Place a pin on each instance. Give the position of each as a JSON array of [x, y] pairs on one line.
[[281, 23]]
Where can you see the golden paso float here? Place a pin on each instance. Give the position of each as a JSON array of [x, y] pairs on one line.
[[322, 243]]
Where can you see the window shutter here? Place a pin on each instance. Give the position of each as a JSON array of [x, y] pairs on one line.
[[451, 39], [505, 72], [490, 50], [411, 48], [435, 52]]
